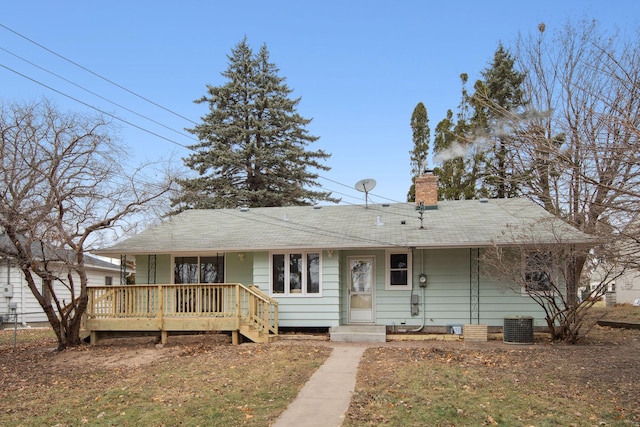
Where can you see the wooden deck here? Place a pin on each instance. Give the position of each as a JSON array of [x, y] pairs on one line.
[[173, 309]]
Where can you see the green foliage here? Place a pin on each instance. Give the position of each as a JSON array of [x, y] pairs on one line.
[[495, 100], [421, 136], [252, 148], [475, 151], [454, 150]]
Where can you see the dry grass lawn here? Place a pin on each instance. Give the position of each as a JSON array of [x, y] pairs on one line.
[[204, 380]]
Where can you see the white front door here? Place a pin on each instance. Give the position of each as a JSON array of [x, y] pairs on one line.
[[361, 289]]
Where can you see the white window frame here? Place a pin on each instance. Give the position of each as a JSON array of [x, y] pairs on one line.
[[287, 277], [387, 283], [525, 291]]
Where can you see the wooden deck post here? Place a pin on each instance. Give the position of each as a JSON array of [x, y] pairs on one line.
[[238, 301], [160, 307]]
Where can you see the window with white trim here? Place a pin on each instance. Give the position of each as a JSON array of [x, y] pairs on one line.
[[538, 270], [295, 273], [398, 274]]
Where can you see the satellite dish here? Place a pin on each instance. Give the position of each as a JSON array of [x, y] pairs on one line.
[[364, 186]]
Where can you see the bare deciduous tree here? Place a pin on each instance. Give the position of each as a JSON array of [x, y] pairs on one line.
[[577, 144], [539, 264], [63, 182]]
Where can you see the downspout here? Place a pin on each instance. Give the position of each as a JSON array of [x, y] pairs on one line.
[[423, 301]]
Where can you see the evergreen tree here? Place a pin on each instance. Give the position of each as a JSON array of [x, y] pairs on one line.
[[252, 149], [496, 99], [421, 135], [457, 156]]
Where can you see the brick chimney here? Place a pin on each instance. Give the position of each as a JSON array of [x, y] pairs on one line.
[[426, 186]]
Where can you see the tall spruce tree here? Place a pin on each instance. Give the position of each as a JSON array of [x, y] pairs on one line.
[[421, 135], [500, 94], [457, 158], [252, 149]]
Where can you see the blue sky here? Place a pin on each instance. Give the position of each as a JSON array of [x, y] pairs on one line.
[[360, 67]]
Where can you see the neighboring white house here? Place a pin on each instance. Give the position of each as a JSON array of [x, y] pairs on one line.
[[625, 289], [17, 299]]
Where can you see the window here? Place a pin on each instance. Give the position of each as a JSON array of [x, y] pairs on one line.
[[193, 269], [108, 280], [295, 273], [212, 269], [199, 269], [398, 270], [538, 272]]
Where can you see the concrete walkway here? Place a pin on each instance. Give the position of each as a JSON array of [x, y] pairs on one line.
[[325, 398]]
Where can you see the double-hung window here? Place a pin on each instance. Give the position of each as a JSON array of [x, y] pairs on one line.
[[398, 270], [295, 273]]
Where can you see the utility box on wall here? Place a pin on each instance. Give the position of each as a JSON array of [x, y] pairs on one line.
[[6, 290]]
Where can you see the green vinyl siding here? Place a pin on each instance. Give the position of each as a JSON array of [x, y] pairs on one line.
[[164, 269], [446, 298], [497, 302], [304, 311], [239, 268]]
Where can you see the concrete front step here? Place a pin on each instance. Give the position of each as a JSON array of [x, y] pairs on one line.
[[358, 333]]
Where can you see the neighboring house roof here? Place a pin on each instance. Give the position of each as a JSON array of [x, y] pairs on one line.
[[100, 264], [8, 249], [467, 223]]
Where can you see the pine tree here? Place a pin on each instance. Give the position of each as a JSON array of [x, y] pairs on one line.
[[457, 157], [496, 99], [421, 136], [252, 149]]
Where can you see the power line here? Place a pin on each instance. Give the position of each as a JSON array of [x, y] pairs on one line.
[[98, 95], [154, 133], [94, 108], [125, 108], [351, 187], [96, 74]]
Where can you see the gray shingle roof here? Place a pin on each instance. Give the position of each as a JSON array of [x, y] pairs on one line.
[[468, 223]]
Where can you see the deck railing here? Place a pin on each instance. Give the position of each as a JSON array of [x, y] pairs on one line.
[[210, 306]]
